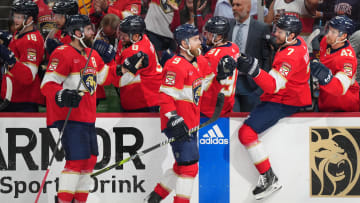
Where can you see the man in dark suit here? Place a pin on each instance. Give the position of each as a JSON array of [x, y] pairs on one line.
[[249, 34]]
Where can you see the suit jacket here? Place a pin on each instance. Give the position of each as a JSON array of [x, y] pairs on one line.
[[256, 46]]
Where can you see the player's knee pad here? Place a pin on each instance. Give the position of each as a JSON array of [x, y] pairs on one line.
[[187, 170], [74, 165], [247, 135]]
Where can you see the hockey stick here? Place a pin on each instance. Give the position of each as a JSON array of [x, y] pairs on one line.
[[214, 117], [64, 125], [311, 37], [9, 87]]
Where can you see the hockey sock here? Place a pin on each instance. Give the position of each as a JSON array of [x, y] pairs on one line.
[[68, 180], [249, 138], [178, 199], [82, 188], [167, 184], [185, 181]]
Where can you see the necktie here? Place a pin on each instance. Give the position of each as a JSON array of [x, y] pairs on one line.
[[238, 37]]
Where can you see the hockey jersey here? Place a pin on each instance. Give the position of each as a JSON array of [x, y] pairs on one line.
[[181, 89], [62, 37], [212, 87], [342, 93], [28, 48], [142, 89], [64, 71], [290, 74]]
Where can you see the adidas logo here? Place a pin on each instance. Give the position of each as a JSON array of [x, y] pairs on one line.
[[214, 136]]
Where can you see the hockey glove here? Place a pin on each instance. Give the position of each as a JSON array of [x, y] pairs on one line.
[[105, 50], [248, 65], [7, 55], [321, 72], [136, 62], [5, 37], [225, 67], [52, 44], [177, 127], [68, 98]]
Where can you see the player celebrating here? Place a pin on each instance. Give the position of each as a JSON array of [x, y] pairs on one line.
[[139, 88], [217, 29], [61, 11], [286, 89], [337, 57], [180, 93], [66, 67], [23, 57]]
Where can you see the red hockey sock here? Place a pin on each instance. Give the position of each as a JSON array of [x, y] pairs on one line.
[[178, 199], [65, 197], [160, 190], [81, 197], [249, 138]]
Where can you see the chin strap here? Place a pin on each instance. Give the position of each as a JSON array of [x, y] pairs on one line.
[[132, 41], [336, 41], [214, 42], [188, 50], [25, 26]]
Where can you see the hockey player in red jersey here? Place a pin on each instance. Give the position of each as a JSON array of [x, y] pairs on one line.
[[337, 67], [217, 29], [62, 9], [286, 90], [23, 57], [65, 71], [139, 89], [180, 92]]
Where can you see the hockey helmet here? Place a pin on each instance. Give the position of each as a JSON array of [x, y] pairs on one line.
[[290, 23], [218, 25], [65, 7], [342, 23], [132, 25], [184, 32], [25, 7], [76, 22]]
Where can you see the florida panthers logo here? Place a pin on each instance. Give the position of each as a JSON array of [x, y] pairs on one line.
[[335, 161], [196, 86], [88, 79]]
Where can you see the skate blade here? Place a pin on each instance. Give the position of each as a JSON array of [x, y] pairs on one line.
[[273, 188]]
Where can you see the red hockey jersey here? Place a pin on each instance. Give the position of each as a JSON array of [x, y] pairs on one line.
[[62, 37], [29, 51], [290, 74], [342, 93], [181, 89], [142, 89], [64, 71], [212, 87]]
